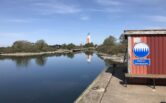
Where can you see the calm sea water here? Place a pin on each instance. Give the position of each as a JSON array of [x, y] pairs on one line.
[[47, 79]]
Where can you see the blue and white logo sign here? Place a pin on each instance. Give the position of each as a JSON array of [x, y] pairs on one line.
[[141, 50]]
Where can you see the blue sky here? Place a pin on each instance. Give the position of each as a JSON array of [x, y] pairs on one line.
[[66, 21]]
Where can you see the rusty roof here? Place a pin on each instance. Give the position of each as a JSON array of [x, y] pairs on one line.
[[145, 32]]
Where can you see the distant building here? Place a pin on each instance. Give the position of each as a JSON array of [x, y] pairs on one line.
[[88, 39]]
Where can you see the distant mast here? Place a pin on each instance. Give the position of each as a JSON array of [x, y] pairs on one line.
[[88, 39]]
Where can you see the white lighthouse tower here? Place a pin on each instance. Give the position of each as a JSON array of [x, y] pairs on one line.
[[88, 39]]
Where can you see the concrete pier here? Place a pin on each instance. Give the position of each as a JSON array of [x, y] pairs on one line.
[[109, 88]]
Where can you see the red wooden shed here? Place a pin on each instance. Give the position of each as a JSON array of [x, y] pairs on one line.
[[146, 53]]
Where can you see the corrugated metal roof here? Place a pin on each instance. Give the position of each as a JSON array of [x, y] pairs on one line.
[[145, 32]]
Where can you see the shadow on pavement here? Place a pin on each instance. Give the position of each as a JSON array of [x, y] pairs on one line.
[[118, 71]]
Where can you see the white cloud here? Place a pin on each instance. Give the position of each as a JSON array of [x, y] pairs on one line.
[[57, 8], [154, 27], [110, 2], [8, 38], [110, 6], [127, 2], [85, 18], [111, 10], [158, 18], [18, 20], [14, 35]]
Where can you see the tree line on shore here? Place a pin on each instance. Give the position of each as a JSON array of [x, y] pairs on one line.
[[39, 46], [109, 46]]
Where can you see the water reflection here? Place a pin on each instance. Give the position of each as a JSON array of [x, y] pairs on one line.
[[21, 62], [70, 55], [41, 60], [89, 58], [89, 55], [26, 60], [58, 78]]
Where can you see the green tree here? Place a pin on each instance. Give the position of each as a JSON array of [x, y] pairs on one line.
[[110, 41], [89, 45], [109, 46], [71, 46], [123, 44], [22, 46], [64, 46], [41, 44]]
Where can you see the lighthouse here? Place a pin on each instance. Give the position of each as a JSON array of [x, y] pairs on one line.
[[88, 39]]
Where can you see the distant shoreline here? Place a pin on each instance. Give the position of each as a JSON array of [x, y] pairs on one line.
[[38, 53], [116, 58]]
